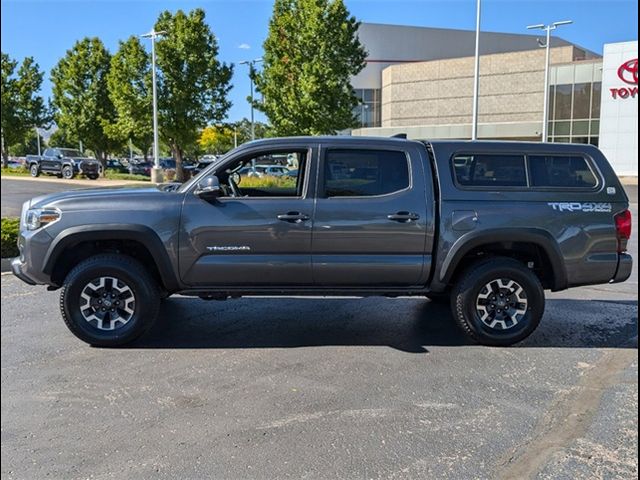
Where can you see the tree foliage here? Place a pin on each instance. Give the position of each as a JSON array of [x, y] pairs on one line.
[[192, 84], [22, 108], [311, 52], [219, 139], [81, 98], [130, 91]]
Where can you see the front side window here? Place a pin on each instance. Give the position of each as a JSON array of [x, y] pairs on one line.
[[364, 173], [490, 170], [561, 171], [264, 175]]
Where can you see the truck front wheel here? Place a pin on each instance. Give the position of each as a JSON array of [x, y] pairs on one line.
[[498, 302], [67, 172], [109, 300], [34, 170]]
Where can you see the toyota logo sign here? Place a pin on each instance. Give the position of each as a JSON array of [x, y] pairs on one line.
[[628, 72]]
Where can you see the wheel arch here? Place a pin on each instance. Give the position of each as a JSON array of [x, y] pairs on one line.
[[498, 241], [140, 234]]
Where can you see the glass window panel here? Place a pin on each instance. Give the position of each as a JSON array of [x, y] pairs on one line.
[[490, 170], [581, 127], [562, 139], [562, 128], [579, 139], [561, 171], [581, 100], [594, 141], [597, 95], [595, 127], [350, 173], [563, 102]]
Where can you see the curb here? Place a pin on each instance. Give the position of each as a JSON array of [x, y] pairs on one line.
[[93, 183], [5, 265]]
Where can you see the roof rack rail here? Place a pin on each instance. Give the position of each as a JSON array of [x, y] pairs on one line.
[[399, 135]]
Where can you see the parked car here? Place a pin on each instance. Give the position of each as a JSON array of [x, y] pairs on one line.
[[140, 167], [64, 163], [116, 165], [393, 218], [261, 170]]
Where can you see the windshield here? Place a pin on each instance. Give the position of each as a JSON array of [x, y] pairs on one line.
[[70, 152]]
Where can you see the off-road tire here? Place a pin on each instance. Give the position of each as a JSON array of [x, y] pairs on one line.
[[126, 269], [34, 170], [67, 172], [466, 294]]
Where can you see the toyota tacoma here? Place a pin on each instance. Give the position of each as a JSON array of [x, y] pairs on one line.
[[487, 226]]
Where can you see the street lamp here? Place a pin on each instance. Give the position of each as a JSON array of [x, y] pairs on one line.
[[545, 108], [476, 77], [156, 172], [252, 66]]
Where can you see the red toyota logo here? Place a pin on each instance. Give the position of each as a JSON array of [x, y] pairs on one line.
[[628, 72]]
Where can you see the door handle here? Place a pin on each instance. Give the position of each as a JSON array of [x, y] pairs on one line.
[[403, 217], [293, 217]]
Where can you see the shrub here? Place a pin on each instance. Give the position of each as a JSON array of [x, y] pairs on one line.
[[9, 237]]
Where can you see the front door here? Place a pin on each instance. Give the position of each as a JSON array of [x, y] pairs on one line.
[[258, 233], [373, 225]]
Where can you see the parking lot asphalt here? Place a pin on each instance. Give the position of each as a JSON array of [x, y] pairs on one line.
[[322, 388]]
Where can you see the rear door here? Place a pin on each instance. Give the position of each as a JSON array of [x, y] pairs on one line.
[[374, 216]]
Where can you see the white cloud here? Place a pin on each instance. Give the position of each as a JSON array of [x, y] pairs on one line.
[[244, 46]]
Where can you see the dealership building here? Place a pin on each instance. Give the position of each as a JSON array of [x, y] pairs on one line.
[[419, 81]]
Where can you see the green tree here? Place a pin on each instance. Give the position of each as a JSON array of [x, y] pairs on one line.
[[62, 138], [28, 146], [130, 91], [311, 52], [192, 84], [22, 108], [81, 98]]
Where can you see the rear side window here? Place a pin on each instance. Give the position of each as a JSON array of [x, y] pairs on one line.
[[561, 171], [490, 170], [363, 173]]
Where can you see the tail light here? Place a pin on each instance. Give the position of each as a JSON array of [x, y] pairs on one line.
[[623, 229]]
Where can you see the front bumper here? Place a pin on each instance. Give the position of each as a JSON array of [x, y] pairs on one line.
[[625, 266], [17, 267]]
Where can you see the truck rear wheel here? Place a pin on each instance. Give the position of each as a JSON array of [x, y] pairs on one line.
[[498, 302], [109, 300]]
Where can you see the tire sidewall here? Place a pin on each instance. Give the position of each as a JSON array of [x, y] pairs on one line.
[[144, 312], [67, 172], [527, 324], [34, 171]]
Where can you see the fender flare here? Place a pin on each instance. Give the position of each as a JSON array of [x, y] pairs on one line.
[[114, 231], [538, 237]]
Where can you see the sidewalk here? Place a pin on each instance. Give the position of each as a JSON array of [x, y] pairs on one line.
[[100, 182]]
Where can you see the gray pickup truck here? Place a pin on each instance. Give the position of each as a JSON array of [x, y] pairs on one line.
[[64, 163], [487, 226]]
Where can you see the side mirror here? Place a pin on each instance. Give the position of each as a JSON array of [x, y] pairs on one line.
[[208, 187]]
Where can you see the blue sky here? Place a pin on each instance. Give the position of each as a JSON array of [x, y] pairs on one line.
[[45, 29]]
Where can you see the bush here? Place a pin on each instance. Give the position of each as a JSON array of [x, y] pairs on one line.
[[14, 172], [9, 237], [169, 175], [125, 176]]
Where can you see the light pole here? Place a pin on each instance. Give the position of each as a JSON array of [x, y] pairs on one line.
[[156, 171], [476, 77], [252, 64], [547, 44], [38, 137]]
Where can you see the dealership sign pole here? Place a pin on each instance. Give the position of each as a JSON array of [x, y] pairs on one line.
[[476, 77], [547, 45]]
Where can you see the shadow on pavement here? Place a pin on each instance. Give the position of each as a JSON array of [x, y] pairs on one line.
[[409, 325]]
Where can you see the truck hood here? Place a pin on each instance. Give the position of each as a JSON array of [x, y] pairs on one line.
[[115, 198]]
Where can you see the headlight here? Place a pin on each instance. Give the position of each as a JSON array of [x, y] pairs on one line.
[[39, 217]]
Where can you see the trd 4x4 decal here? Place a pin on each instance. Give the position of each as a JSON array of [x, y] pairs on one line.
[[581, 207]]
